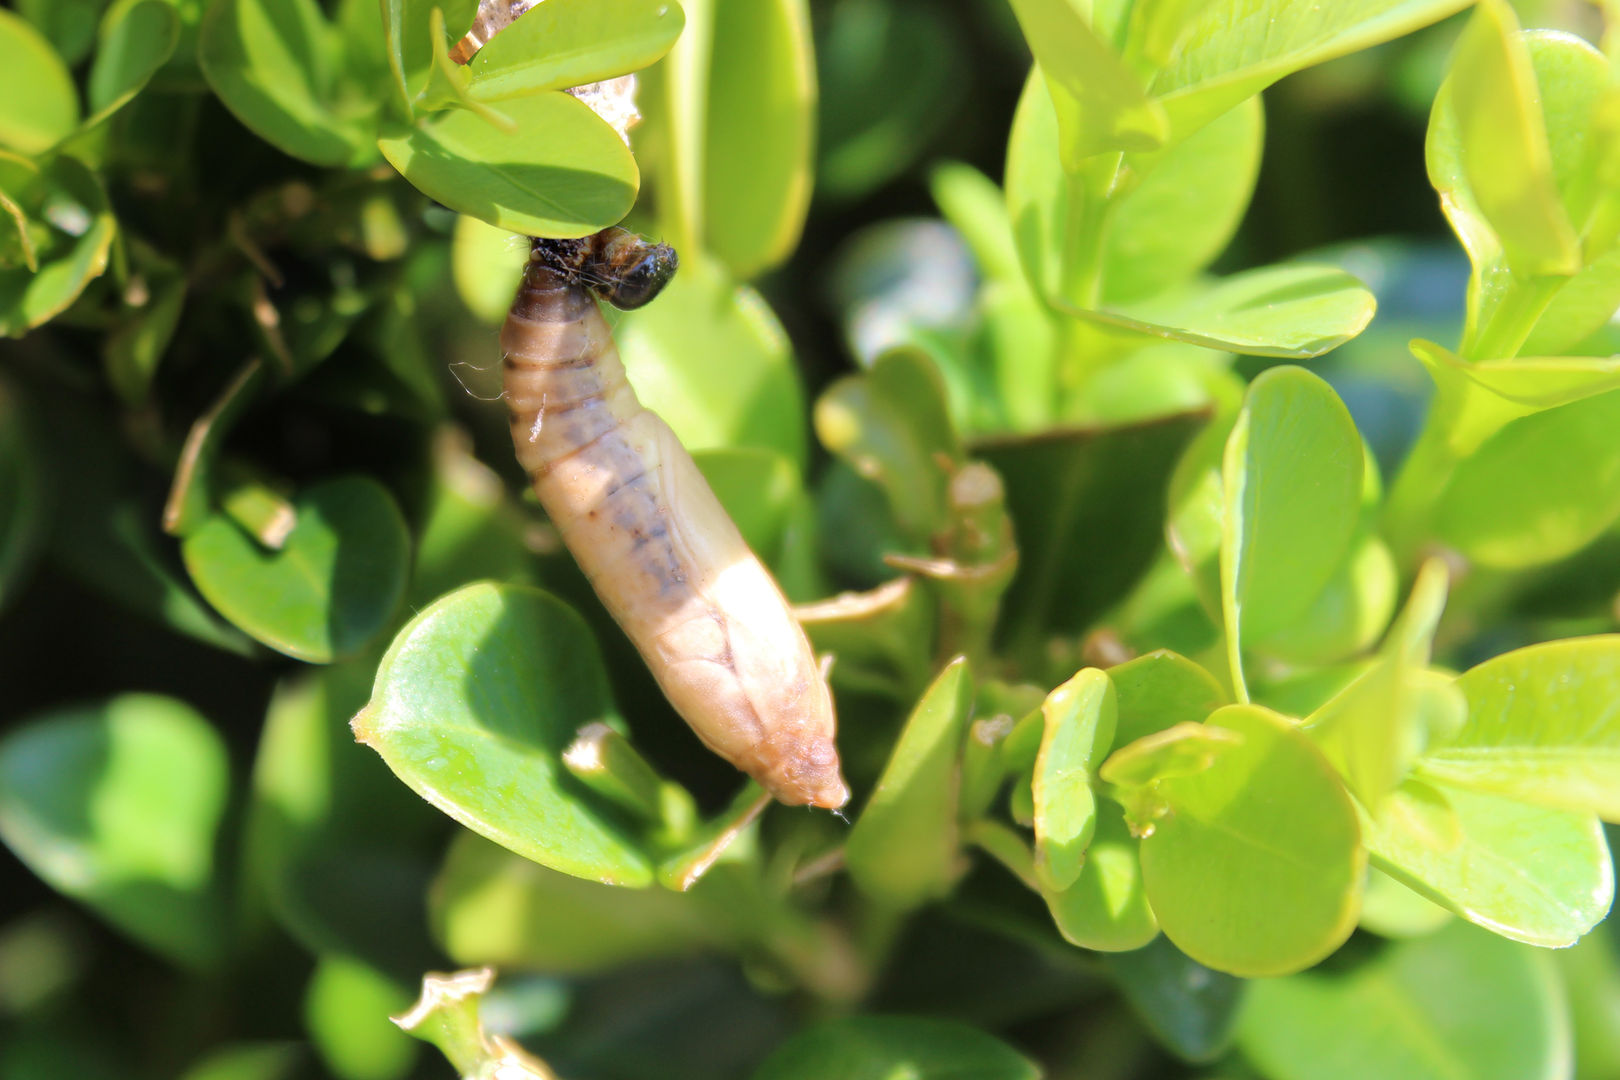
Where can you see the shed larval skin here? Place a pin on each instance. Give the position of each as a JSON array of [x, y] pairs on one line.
[[665, 558]]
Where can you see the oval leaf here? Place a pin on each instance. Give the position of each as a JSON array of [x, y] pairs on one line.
[[1106, 908], [1079, 719], [559, 171], [475, 703], [1542, 726], [38, 103], [563, 43], [331, 587], [1257, 868], [137, 38], [116, 805]]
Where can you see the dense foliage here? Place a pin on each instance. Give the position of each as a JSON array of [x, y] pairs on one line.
[[1226, 674]]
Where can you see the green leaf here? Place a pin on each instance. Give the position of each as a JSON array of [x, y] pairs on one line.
[[903, 849], [559, 171], [67, 208], [134, 349], [137, 38], [193, 490], [1372, 730], [487, 263], [1542, 487], [1257, 869], [1292, 480], [977, 209], [38, 103], [1089, 507], [892, 424], [248, 1061], [1159, 690], [1542, 727], [890, 1047], [880, 640], [1579, 309], [1189, 1008], [116, 805], [408, 34], [711, 358], [1391, 910], [1106, 907], [1233, 49], [1454, 1004], [492, 907], [1501, 150], [474, 705], [1101, 104], [1538, 876], [330, 589], [272, 64], [69, 25], [730, 119], [341, 853], [1348, 614], [1078, 729], [346, 1010], [1177, 211], [22, 492], [564, 43], [1291, 311]]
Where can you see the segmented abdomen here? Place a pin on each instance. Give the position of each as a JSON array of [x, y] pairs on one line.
[[664, 557]]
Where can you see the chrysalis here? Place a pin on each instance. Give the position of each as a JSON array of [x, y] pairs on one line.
[[641, 521]]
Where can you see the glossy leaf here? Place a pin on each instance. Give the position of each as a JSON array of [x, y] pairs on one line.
[[1350, 612], [564, 43], [38, 102], [1106, 907], [711, 358], [903, 848], [137, 38], [1542, 487], [1541, 727], [1159, 690], [1223, 56], [1291, 482], [892, 425], [1372, 730], [330, 589], [559, 171], [487, 264], [474, 705], [1078, 729], [1257, 868], [1293, 312], [1101, 104], [886, 1047], [116, 805], [271, 62], [1502, 151], [1538, 876], [1457, 1003], [1192, 1010]]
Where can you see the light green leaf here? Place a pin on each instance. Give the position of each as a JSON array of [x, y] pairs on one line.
[[1291, 311], [1257, 869], [711, 358], [1291, 482], [1078, 729], [486, 264], [272, 63], [1372, 729], [1542, 487], [116, 805], [1389, 909], [1459, 1003], [1348, 614], [474, 705], [346, 1009], [903, 849], [408, 35], [1502, 150], [1543, 726], [976, 208], [1538, 876], [137, 37], [1106, 907], [39, 105], [1233, 49], [71, 228], [560, 171], [1101, 104], [892, 424], [563, 43], [891, 1047], [1158, 690], [330, 589]]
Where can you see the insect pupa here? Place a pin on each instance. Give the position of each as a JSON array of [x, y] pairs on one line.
[[664, 557]]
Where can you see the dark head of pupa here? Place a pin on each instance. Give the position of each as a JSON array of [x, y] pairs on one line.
[[621, 268]]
